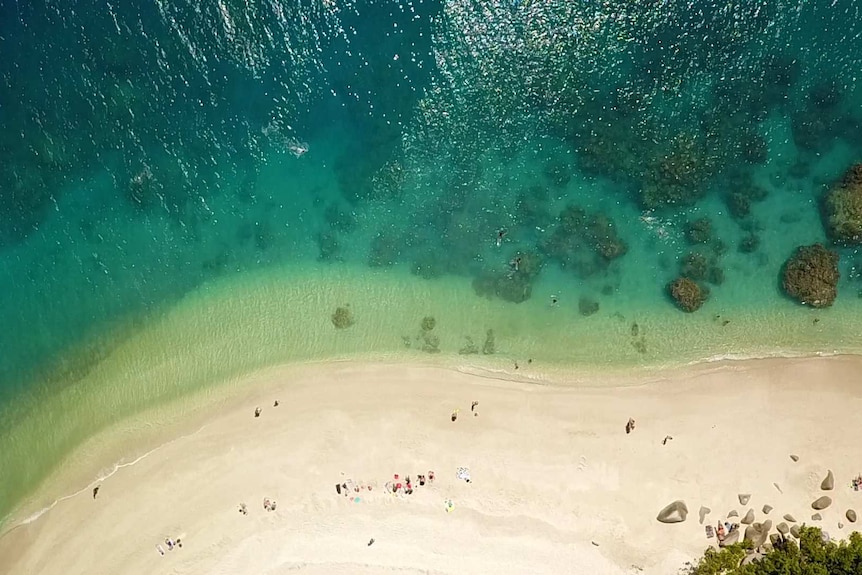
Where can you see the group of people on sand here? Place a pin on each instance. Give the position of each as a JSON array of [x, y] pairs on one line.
[[856, 483], [171, 544], [405, 487], [473, 410], [722, 531], [397, 486]]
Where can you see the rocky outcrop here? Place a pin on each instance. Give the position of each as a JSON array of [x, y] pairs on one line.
[[810, 276], [744, 498], [842, 209], [851, 516], [828, 484], [794, 530], [757, 533], [816, 517], [749, 517], [783, 528], [821, 503], [687, 294], [767, 509], [789, 517], [704, 511], [730, 538], [732, 513], [675, 512]]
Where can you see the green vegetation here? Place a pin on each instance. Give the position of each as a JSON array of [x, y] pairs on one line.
[[811, 555]]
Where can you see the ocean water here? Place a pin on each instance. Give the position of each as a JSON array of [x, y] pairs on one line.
[[189, 191]]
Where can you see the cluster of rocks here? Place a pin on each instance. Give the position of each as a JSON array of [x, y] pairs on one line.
[[689, 290], [514, 284], [757, 533], [583, 242]]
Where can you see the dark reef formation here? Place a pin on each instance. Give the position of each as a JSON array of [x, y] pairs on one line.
[[515, 284], [688, 295], [810, 276], [698, 231], [342, 317], [842, 209], [584, 243]]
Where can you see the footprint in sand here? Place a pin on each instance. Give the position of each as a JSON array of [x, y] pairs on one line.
[[582, 463], [812, 481]]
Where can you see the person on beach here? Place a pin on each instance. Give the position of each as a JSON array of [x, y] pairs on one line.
[[665, 440], [257, 412], [275, 404], [455, 414], [630, 426], [96, 491], [473, 406]]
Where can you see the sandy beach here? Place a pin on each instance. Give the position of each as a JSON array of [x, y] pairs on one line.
[[556, 483]]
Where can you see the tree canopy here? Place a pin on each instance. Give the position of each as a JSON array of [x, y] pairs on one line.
[[811, 555]]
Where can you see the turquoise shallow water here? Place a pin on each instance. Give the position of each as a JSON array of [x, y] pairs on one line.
[[235, 171]]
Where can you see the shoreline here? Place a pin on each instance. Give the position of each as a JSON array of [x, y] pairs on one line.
[[255, 387]]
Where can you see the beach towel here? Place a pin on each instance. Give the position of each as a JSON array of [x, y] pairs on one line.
[[463, 473], [449, 506]]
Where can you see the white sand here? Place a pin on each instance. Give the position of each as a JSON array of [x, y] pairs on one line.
[[553, 471]]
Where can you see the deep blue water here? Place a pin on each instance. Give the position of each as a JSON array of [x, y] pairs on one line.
[[149, 147]]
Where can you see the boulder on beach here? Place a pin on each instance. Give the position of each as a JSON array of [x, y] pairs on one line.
[[816, 517], [783, 528], [794, 458], [851, 516], [732, 513], [767, 509], [704, 511], [744, 498], [828, 484], [821, 503], [789, 517], [730, 538], [794, 530], [749, 517], [675, 512], [757, 533]]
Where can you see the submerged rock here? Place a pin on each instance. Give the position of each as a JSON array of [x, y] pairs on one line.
[[687, 294], [811, 275], [842, 209], [675, 512]]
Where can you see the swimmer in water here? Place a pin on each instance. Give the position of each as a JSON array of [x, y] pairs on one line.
[[515, 263], [554, 301], [500, 235]]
